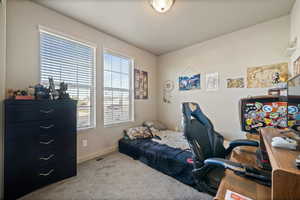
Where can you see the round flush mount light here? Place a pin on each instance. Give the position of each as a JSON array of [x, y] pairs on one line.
[[162, 6]]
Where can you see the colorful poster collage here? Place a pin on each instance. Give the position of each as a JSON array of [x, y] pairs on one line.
[[257, 115], [269, 114]]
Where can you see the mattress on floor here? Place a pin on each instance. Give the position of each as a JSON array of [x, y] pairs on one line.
[[166, 159]]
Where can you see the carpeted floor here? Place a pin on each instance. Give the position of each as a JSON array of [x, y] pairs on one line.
[[117, 177]]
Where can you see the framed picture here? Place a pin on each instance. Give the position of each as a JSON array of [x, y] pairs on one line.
[[189, 83]]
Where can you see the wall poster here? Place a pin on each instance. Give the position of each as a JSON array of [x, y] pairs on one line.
[[212, 81], [235, 83], [262, 77], [189, 83], [141, 86]]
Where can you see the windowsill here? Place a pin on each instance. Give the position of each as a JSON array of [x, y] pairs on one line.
[[119, 124], [85, 128]]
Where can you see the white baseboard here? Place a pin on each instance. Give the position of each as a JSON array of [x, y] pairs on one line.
[[97, 154]]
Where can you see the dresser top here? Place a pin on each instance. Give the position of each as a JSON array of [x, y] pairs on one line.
[[25, 102]]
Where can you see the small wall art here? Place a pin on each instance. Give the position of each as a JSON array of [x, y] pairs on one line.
[[212, 81], [167, 91], [140, 84], [235, 83], [189, 83], [262, 77]]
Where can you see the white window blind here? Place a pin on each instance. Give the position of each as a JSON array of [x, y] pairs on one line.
[[118, 103], [74, 63]]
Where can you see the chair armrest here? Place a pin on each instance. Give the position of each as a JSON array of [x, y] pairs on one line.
[[236, 143], [226, 164]]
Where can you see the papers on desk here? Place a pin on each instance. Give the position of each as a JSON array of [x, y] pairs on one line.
[[230, 195]]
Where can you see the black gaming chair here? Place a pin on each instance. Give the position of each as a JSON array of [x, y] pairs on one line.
[[209, 153]]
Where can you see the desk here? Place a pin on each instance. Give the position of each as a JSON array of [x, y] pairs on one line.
[[285, 175], [240, 184]]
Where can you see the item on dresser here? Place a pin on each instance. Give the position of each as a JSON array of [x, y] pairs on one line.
[[39, 144], [54, 94], [41, 92], [62, 91], [20, 94], [284, 142]]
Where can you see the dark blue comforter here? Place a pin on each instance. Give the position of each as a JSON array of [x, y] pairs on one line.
[[166, 159]]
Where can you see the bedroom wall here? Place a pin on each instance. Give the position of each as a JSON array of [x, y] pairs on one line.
[[295, 27], [23, 18], [2, 83], [230, 55]]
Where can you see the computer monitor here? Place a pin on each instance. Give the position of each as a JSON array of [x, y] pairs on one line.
[[293, 97]]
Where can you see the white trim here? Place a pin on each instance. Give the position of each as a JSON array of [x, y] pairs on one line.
[[65, 36], [97, 154]]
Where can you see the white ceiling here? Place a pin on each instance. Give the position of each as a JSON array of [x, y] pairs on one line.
[[188, 22]]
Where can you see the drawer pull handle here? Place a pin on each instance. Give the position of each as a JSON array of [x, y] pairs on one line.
[[47, 127], [49, 142], [47, 111], [47, 174], [47, 158]]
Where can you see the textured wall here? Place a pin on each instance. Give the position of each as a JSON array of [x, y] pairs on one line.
[[230, 55]]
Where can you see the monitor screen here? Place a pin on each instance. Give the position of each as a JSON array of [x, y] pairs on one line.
[[293, 96]]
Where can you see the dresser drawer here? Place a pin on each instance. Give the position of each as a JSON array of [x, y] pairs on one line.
[[46, 157], [47, 174], [39, 111], [30, 132]]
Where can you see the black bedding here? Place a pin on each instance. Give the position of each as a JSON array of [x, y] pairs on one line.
[[166, 159]]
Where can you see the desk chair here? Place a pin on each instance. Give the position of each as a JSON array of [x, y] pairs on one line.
[[209, 153]]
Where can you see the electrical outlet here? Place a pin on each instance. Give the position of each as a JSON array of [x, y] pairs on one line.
[[84, 143]]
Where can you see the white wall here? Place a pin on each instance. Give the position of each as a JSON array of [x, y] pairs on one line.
[[230, 55], [23, 18], [295, 27], [2, 83]]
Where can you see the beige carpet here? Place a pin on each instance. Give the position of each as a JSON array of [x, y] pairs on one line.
[[117, 177]]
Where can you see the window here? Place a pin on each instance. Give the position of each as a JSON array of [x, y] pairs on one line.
[[118, 103], [74, 63]]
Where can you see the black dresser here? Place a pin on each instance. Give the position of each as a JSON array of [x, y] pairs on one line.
[[39, 144]]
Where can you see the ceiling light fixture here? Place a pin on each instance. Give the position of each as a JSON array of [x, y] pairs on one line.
[[162, 6]]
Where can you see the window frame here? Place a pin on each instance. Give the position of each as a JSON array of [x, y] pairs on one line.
[[93, 121], [131, 88]]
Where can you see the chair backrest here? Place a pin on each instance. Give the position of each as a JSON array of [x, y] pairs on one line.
[[204, 141]]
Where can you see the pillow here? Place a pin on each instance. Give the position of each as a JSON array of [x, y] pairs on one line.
[[155, 124], [138, 133]]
